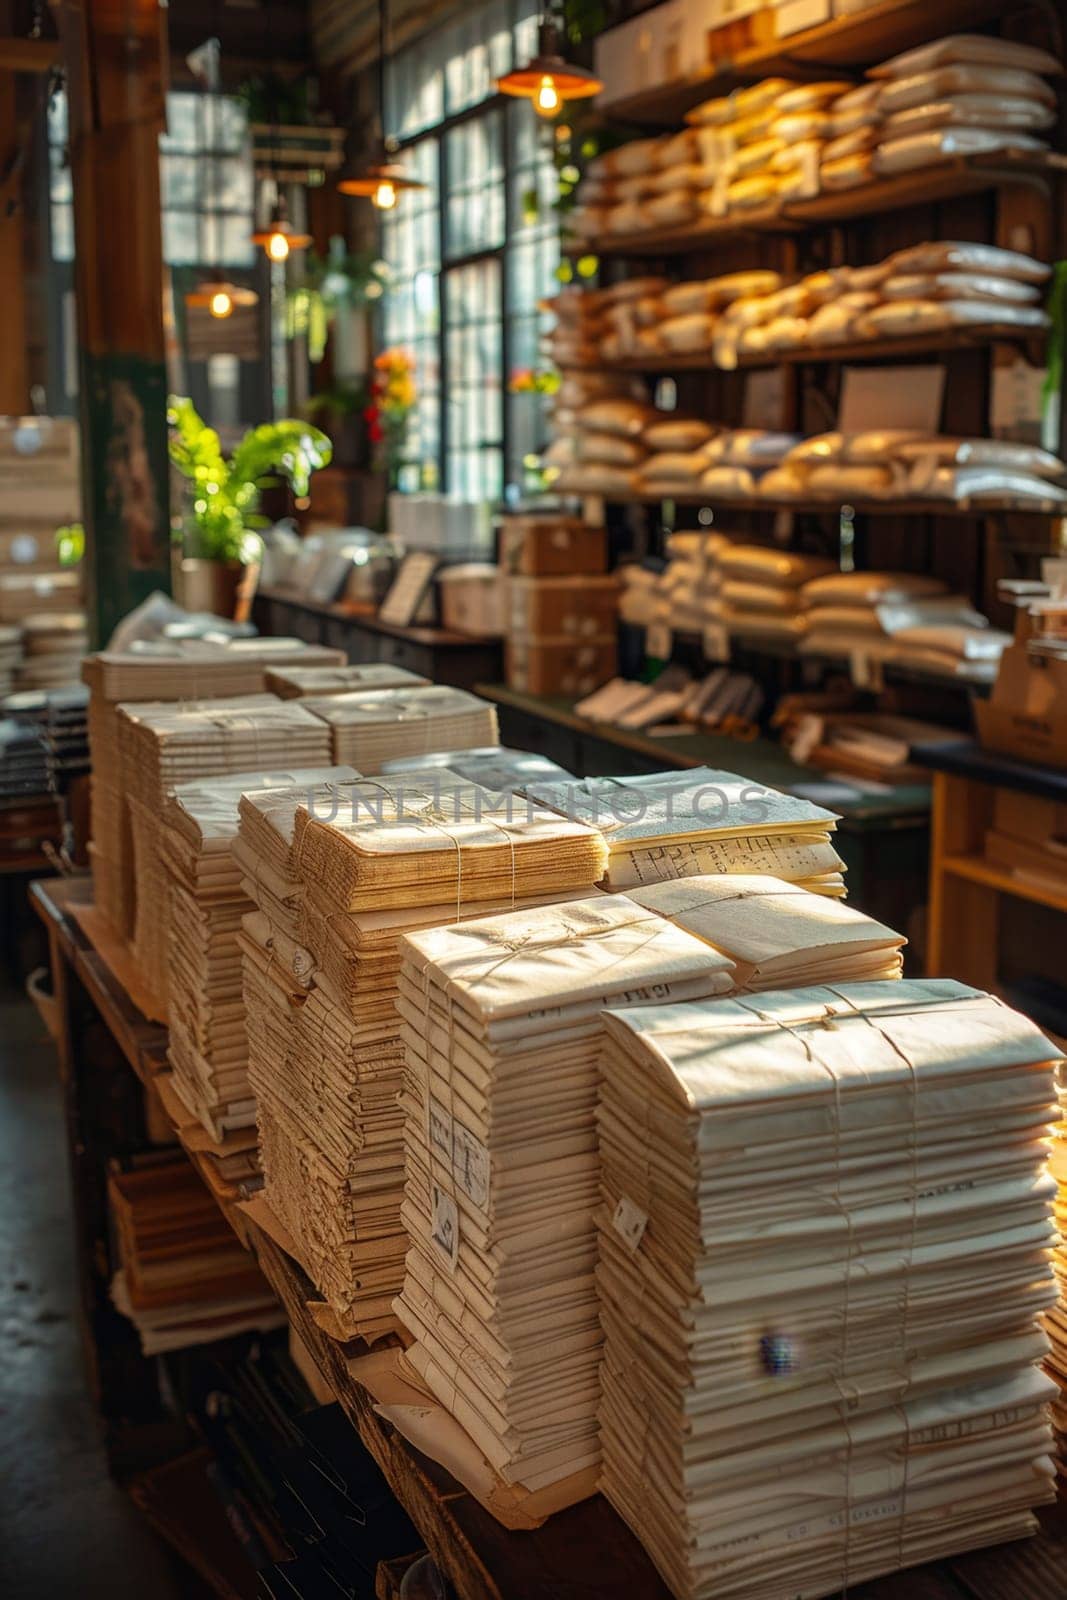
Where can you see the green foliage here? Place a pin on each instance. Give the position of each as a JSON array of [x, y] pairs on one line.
[[337, 279], [70, 544], [225, 494], [343, 400]]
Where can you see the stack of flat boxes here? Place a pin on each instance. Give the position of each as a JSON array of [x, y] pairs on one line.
[[561, 609], [39, 492]]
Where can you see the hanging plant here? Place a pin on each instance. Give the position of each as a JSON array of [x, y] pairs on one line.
[[331, 282]]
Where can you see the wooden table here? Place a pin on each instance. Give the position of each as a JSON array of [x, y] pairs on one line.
[[883, 838], [109, 1055], [439, 654]]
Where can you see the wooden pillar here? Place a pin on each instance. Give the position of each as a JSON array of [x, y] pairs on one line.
[[115, 56], [15, 134]]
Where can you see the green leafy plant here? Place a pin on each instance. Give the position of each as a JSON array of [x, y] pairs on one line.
[[70, 544], [225, 494], [330, 282]]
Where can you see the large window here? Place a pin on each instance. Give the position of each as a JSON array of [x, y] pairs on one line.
[[472, 253]]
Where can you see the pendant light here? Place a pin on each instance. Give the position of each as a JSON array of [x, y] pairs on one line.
[[279, 238], [383, 180], [549, 80], [215, 293]]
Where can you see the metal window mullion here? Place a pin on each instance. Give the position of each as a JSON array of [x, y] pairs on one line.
[[442, 317]]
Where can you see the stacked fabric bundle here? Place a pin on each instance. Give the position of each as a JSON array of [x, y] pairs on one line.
[[163, 670], [325, 1059], [810, 1381], [681, 824], [901, 618], [606, 447], [501, 1021], [183, 1276], [162, 746], [596, 457], [204, 906], [304, 683], [367, 729], [53, 645], [762, 589], [778, 935], [58, 717]]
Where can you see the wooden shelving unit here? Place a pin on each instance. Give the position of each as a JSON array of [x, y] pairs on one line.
[[871, 508], [931, 344]]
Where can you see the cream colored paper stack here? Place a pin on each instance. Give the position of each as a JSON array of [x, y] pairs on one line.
[[778, 935], [1055, 1323], [205, 903], [303, 683], [325, 1057], [824, 1246], [162, 746], [501, 1026], [164, 670], [369, 729], [681, 824]]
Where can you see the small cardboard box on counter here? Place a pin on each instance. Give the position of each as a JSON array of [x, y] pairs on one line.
[[472, 599], [561, 665], [582, 607], [547, 546], [1026, 713]]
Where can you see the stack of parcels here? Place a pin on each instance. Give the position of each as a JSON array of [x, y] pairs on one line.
[[732, 465], [10, 657], [204, 906], [723, 699], [560, 632], [165, 670], [23, 762], [496, 768], [860, 744], [547, 544], [366, 729], [58, 717], [762, 590], [901, 618], [41, 488], [38, 594], [183, 1277], [305, 683], [1055, 1320], [586, 455], [777, 934], [501, 1023], [905, 464], [810, 1381], [681, 824], [165, 745], [600, 450], [325, 1058], [53, 646]]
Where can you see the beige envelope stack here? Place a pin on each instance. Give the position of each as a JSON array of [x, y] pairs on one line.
[[205, 904], [778, 935], [501, 1028], [824, 1247], [1055, 1323], [325, 1058], [303, 683], [162, 746], [369, 729], [680, 824], [165, 670]]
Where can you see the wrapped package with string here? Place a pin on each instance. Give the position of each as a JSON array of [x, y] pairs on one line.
[[205, 903], [368, 677], [679, 824], [165, 745], [812, 1380], [160, 670], [369, 729], [325, 1056], [500, 1031]]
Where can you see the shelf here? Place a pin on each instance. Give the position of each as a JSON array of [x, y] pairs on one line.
[[977, 870], [813, 355], [947, 181], [830, 508], [850, 43]]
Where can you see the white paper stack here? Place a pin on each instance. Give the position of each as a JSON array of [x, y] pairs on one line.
[[302, 683], [369, 729], [501, 1028], [824, 1247], [1055, 1323], [163, 670], [778, 935], [164, 745], [205, 903], [680, 824]]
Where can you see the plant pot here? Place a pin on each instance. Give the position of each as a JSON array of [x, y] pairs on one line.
[[224, 588]]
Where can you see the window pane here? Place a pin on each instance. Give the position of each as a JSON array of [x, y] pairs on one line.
[[178, 180], [181, 238], [474, 164], [182, 123]]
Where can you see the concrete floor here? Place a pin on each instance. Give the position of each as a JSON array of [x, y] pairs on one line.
[[65, 1529]]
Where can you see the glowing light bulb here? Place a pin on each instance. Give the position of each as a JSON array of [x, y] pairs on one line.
[[546, 100], [278, 247], [221, 304], [385, 195]]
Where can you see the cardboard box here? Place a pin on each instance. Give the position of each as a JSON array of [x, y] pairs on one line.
[[1029, 817], [1026, 715], [30, 594], [1028, 860], [472, 599], [662, 46], [551, 546], [793, 16], [560, 666], [582, 607]]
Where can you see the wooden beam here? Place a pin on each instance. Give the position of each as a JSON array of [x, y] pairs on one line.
[[28, 55], [14, 371], [114, 52]]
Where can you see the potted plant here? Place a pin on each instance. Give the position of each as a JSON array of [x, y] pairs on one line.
[[221, 549]]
